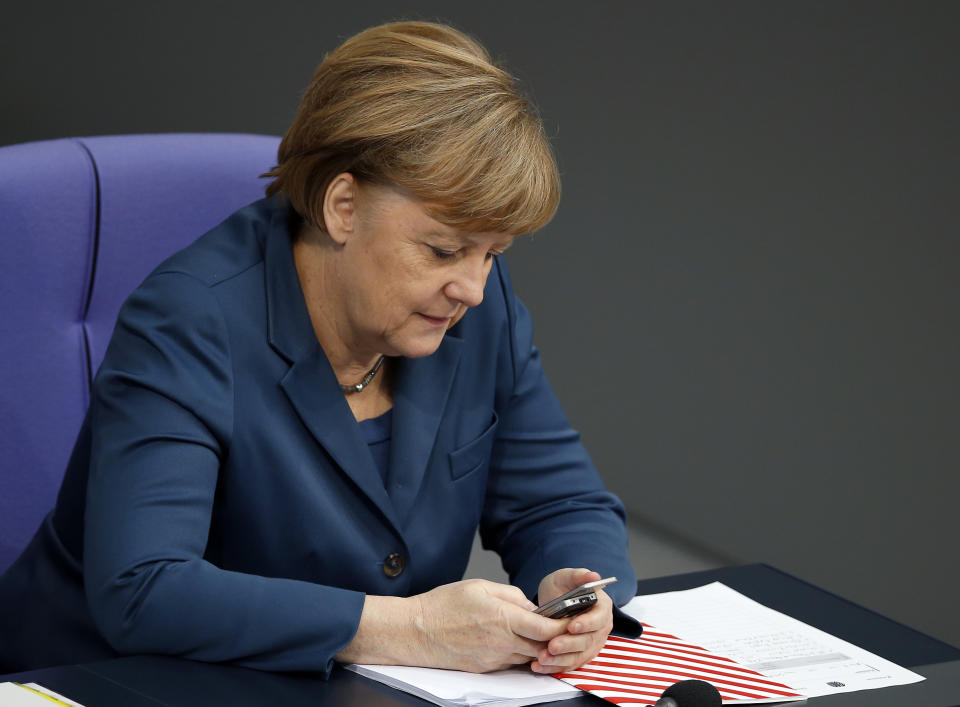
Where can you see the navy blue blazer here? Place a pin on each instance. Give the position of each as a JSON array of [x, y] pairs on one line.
[[233, 511]]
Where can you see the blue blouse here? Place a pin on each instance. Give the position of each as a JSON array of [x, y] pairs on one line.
[[376, 433]]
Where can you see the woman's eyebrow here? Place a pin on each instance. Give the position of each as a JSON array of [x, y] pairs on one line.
[[447, 236], [460, 239], [501, 244]]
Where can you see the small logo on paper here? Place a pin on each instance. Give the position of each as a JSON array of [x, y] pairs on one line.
[[836, 683]]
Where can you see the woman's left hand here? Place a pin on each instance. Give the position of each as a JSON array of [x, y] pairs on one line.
[[586, 632]]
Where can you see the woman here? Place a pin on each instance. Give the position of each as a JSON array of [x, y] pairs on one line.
[[303, 417]]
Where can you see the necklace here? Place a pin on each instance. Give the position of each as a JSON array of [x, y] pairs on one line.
[[358, 388]]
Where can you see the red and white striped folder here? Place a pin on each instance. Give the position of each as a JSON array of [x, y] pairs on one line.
[[637, 671]]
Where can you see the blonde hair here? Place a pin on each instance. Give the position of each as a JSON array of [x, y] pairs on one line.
[[421, 106]]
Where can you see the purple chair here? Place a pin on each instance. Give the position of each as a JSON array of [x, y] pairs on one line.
[[83, 221]]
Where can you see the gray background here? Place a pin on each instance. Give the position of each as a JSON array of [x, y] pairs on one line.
[[745, 302]]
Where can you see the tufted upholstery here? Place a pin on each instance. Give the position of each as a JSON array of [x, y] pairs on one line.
[[82, 222]]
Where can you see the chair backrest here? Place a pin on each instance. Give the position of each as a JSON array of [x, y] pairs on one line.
[[82, 222]]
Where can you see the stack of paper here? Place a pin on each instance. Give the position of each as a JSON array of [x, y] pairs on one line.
[[453, 688]]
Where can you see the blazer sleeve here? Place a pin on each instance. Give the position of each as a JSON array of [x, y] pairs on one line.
[[162, 421], [546, 506]]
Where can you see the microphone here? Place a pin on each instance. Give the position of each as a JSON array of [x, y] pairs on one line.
[[690, 693]]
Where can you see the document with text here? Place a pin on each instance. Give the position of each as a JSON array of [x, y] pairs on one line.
[[726, 622]]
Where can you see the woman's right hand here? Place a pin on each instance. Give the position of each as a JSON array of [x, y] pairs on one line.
[[473, 625], [479, 626]]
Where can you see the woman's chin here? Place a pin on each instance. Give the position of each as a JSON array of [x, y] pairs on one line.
[[419, 346]]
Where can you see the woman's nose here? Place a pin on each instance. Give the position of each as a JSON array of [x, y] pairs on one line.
[[467, 286]]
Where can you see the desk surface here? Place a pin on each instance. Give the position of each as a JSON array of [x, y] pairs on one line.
[[149, 681]]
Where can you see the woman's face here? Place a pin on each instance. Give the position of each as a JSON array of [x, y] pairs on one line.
[[408, 277]]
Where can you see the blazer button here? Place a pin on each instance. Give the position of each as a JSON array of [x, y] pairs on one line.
[[393, 564]]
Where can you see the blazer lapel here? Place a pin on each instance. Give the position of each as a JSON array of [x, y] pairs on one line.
[[420, 395], [310, 383], [314, 393]]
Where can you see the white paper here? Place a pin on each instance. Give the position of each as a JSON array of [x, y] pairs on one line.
[[787, 650], [514, 687], [16, 695]]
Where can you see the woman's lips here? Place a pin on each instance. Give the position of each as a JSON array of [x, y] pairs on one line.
[[436, 321]]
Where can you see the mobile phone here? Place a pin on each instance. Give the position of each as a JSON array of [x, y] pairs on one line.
[[575, 601]]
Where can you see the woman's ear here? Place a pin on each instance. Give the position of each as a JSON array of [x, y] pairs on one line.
[[340, 207]]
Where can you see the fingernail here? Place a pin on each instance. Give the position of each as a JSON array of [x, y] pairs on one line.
[[576, 628]]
